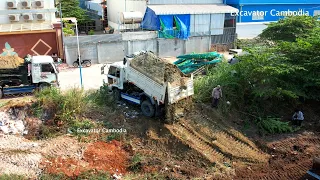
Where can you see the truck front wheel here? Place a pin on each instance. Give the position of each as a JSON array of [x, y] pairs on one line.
[[147, 108]]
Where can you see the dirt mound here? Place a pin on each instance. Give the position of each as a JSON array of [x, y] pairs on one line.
[[99, 156], [107, 156], [10, 62], [156, 68], [151, 65]]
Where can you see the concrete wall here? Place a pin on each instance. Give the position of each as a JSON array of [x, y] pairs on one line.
[[48, 10], [113, 48]]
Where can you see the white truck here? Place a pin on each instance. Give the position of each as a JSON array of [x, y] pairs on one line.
[[153, 95], [36, 72]]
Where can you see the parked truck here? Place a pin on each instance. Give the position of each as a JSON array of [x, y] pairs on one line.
[[148, 81], [26, 75]]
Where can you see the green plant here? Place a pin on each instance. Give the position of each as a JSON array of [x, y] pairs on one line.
[[113, 136], [274, 125], [102, 97], [53, 177], [94, 175], [136, 164], [12, 176], [82, 125], [91, 32]]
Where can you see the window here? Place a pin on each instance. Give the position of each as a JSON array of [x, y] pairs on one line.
[[113, 71], [47, 68], [316, 13]]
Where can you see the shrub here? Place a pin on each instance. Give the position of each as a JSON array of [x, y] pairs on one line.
[[274, 125], [91, 32]]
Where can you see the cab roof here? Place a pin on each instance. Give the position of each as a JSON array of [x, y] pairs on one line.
[[42, 59]]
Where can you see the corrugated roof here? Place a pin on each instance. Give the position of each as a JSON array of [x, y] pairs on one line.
[[192, 9]]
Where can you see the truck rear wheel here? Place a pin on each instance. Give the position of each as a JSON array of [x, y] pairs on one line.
[[147, 108]]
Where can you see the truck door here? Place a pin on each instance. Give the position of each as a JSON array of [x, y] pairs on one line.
[[115, 77], [44, 72]]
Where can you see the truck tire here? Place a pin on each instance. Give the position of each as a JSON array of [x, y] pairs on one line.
[[43, 86], [116, 94], [147, 108]]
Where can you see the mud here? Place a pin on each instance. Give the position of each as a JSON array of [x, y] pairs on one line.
[[10, 62]]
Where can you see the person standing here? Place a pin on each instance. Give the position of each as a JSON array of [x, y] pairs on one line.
[[216, 95], [297, 117]]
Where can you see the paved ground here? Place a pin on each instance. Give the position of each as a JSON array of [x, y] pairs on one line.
[[91, 77], [248, 31]]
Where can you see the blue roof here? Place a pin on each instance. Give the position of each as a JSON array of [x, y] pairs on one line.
[[254, 2]]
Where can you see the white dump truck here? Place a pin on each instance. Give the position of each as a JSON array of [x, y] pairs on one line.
[[148, 81], [18, 76]]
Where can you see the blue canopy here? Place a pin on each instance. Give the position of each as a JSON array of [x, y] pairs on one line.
[[165, 24], [150, 21]]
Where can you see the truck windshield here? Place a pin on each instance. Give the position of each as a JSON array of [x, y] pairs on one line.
[[113, 71], [47, 68]]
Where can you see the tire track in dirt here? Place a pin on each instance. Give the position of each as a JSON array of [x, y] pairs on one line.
[[292, 159], [195, 142], [228, 146]]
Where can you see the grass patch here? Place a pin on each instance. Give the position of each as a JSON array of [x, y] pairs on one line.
[[11, 177], [136, 164], [68, 111]]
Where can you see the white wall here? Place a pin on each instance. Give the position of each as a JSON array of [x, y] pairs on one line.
[[185, 2], [116, 7], [48, 9]]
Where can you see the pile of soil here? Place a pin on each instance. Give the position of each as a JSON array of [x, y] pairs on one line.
[[107, 157], [156, 68], [150, 65], [99, 156], [10, 62]]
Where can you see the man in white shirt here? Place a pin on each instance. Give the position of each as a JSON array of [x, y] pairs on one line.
[[297, 117], [216, 95]]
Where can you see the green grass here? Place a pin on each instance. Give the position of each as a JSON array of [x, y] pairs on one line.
[[69, 109], [12, 177]]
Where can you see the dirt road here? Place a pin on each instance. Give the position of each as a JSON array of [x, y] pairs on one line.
[[91, 77]]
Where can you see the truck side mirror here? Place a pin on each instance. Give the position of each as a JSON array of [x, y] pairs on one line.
[[102, 69]]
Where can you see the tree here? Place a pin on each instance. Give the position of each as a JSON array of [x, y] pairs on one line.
[[71, 8], [290, 28]]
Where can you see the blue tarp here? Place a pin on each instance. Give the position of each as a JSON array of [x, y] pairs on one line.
[[150, 21], [164, 24], [183, 21]]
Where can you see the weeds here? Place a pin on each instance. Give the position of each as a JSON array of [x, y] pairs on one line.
[[68, 109], [274, 125], [136, 164], [12, 176]]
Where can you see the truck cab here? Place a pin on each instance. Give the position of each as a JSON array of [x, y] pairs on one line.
[[43, 71]]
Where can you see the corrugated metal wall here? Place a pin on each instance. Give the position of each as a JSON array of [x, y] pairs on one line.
[[200, 24], [185, 2]]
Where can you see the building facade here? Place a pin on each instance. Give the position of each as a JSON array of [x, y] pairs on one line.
[[30, 27], [273, 10]]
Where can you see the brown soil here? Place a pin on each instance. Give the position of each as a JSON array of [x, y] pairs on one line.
[[10, 62], [291, 159], [109, 157]]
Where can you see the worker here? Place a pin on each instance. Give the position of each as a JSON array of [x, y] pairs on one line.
[[297, 117], [216, 95]]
